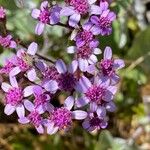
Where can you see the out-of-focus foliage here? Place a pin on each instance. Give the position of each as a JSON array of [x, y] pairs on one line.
[[129, 127]]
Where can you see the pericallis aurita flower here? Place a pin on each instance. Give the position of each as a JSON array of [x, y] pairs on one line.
[[102, 23], [77, 8], [46, 15], [62, 118], [108, 66], [14, 97]]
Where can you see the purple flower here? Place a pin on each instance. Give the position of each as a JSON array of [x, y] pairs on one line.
[[14, 97], [94, 121], [2, 13], [109, 66], [61, 118], [85, 55], [99, 93], [45, 15], [34, 117], [76, 9], [41, 99], [23, 62], [103, 22], [66, 79], [47, 72], [7, 42], [86, 36]]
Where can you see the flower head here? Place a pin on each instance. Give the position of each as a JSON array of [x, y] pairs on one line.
[[45, 15], [109, 66], [102, 23], [85, 55], [34, 117], [23, 62], [7, 42], [76, 9], [14, 97], [61, 118], [66, 80], [100, 93]]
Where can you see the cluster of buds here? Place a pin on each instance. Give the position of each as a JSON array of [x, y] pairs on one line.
[[89, 84]]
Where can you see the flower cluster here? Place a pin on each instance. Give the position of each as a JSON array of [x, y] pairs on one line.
[[89, 84]]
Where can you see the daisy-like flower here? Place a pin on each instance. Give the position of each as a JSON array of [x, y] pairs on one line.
[[85, 55], [14, 97], [46, 15], [34, 117], [85, 36], [108, 66], [61, 118], [103, 22], [78, 8], [41, 99], [99, 93], [23, 62], [66, 80], [93, 121], [2, 13], [7, 42]]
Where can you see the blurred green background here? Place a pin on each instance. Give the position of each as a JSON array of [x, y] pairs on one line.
[[129, 126]]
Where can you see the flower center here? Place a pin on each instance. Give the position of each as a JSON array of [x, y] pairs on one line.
[[86, 36], [14, 96], [44, 16], [40, 99], [84, 52], [35, 118], [51, 73], [107, 67], [81, 6], [104, 22], [95, 122], [66, 81], [61, 117], [95, 94]]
